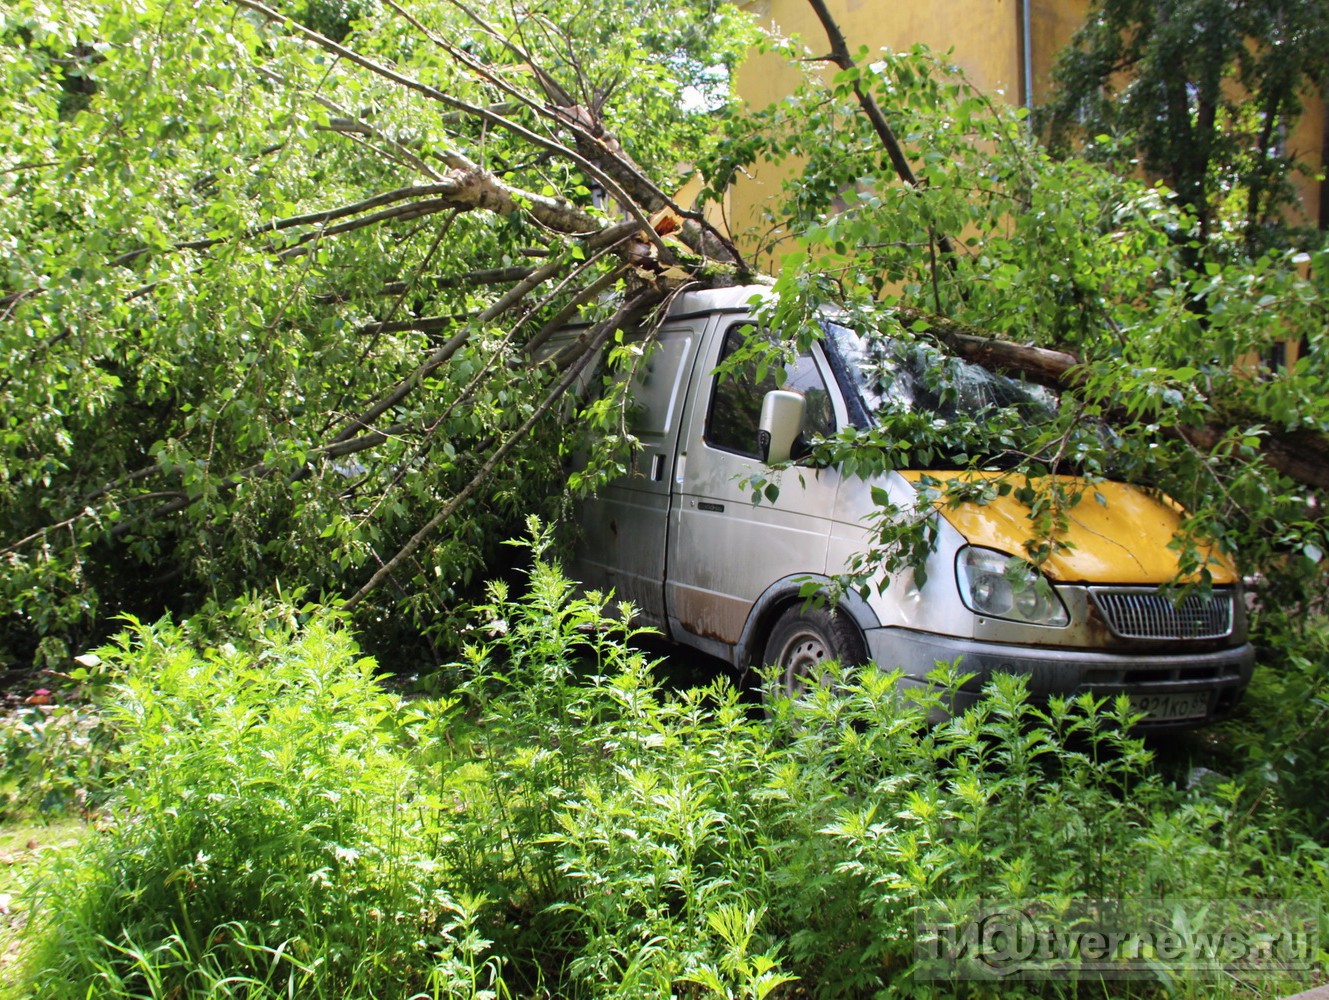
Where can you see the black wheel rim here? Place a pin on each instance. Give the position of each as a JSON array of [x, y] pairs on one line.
[[801, 657]]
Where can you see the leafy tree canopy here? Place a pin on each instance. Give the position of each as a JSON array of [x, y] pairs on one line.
[[1094, 271], [274, 304], [267, 302], [1202, 94]]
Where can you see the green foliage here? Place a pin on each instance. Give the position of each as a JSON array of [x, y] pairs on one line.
[[609, 817], [55, 747], [1201, 94], [333, 18], [257, 844], [570, 829], [1062, 254], [52, 759], [1281, 735], [177, 363]]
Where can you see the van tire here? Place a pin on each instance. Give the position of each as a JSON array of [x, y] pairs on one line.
[[802, 638]]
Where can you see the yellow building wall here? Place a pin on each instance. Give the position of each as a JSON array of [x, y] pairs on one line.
[[1306, 142], [984, 37], [1051, 23]]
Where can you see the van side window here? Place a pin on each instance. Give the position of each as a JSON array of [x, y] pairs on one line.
[[736, 399]]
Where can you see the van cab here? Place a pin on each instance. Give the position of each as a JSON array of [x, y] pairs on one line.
[[681, 538]]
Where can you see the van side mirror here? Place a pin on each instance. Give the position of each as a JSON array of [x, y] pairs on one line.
[[779, 425]]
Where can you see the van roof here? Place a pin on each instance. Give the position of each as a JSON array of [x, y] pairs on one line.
[[736, 299]]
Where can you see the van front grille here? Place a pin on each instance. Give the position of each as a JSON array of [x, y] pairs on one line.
[[1146, 613]]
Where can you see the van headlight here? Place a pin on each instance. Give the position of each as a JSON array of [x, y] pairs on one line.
[[997, 585]]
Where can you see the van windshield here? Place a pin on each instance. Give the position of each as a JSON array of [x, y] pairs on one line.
[[913, 376], [991, 415]]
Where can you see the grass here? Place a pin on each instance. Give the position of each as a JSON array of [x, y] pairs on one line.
[[25, 849]]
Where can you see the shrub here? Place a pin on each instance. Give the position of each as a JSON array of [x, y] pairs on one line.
[[52, 760], [565, 827], [644, 841], [1009, 803], [610, 818], [1280, 740], [260, 842]]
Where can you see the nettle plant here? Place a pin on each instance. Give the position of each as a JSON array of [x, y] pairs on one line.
[[255, 836]]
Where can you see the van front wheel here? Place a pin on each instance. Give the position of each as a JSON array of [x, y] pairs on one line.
[[803, 641]]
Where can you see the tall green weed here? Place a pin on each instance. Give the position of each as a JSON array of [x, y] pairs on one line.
[[561, 825], [260, 841], [611, 818], [1280, 739]]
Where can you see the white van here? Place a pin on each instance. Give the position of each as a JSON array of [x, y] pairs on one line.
[[681, 538]]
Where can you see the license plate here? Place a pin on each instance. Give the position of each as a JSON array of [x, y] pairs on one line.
[[1168, 707]]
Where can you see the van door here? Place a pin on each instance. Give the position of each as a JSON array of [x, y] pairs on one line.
[[622, 544], [724, 550]]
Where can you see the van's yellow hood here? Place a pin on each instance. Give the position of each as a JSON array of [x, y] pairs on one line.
[[1122, 538]]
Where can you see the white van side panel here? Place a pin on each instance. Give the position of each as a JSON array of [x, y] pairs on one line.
[[724, 551], [622, 544]]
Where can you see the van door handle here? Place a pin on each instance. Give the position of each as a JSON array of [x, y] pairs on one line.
[[657, 468]]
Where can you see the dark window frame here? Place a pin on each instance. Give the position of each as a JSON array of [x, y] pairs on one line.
[[726, 443]]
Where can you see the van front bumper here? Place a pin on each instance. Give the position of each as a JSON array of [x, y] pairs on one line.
[[1221, 675]]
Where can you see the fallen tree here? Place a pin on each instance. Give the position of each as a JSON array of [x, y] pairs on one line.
[[1301, 454], [274, 301]]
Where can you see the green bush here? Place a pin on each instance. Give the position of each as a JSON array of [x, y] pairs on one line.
[[1280, 740], [892, 820], [610, 818], [260, 842], [624, 827], [564, 827], [52, 759]]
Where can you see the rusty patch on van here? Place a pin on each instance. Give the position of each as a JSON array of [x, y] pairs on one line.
[[710, 616]]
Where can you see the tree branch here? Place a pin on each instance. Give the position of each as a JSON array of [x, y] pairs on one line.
[[625, 314], [476, 111], [593, 140], [1302, 455], [320, 218], [446, 351], [839, 55]]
